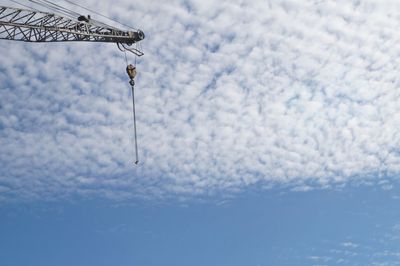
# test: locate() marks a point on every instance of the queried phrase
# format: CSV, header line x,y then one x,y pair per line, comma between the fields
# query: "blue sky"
x,y
268,135
355,226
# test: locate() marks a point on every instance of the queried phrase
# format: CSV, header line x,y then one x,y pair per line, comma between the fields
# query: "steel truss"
x,y
34,26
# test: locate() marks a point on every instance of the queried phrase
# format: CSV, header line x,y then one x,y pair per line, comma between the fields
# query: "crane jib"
x,y
35,26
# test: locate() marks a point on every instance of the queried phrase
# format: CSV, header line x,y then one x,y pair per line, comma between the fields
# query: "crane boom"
x,y
36,26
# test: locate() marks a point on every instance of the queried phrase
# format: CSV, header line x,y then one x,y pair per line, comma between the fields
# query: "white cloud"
x,y
349,244
230,94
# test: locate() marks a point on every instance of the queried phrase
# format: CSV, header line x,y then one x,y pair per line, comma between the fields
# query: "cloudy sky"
x,y
232,97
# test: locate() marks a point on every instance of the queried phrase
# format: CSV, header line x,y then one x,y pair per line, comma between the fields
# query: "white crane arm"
x,y
34,26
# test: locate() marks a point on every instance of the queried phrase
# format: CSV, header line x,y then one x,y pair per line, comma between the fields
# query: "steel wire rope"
x,y
132,83
57,7
97,13
134,122
54,7
69,13
16,2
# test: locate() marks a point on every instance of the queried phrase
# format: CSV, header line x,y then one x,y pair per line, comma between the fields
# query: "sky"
x,y
268,135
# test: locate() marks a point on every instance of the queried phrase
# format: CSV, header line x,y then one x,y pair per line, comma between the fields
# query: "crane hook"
x,y
131,71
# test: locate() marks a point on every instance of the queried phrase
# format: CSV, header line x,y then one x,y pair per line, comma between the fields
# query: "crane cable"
x,y
16,2
73,15
57,8
131,71
134,121
97,13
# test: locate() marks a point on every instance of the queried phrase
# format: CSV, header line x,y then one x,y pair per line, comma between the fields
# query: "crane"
x,y
30,25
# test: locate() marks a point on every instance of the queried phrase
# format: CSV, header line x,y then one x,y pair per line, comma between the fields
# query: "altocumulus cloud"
x,y
230,94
